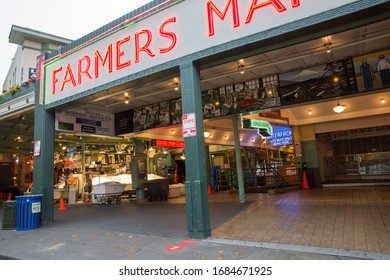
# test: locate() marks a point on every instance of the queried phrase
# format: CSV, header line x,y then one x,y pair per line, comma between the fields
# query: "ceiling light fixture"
x,y
328,47
206,134
339,108
310,112
383,101
241,68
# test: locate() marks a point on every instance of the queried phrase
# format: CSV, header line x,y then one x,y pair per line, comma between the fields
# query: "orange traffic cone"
x,y
209,190
62,204
305,182
9,196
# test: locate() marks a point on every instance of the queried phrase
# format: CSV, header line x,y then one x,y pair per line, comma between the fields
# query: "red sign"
x,y
189,125
88,66
169,143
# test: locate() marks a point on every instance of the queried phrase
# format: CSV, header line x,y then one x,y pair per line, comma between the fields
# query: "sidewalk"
x,y
157,231
57,243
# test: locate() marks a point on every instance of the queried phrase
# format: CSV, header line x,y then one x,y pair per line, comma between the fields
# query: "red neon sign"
x,y
212,8
107,57
84,71
167,34
169,143
118,53
140,45
68,77
146,47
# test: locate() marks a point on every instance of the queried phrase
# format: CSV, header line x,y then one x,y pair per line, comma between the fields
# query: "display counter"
x,y
61,192
105,192
290,174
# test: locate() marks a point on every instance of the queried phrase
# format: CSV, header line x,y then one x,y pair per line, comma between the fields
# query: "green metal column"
x,y
43,182
137,182
237,148
208,165
84,180
310,156
197,207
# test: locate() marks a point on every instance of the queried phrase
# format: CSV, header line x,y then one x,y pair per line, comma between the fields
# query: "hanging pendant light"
x,y
339,108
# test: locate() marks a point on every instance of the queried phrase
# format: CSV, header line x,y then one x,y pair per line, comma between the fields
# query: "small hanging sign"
x,y
37,148
189,125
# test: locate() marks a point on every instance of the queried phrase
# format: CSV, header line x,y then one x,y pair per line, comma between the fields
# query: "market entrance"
x,y
235,77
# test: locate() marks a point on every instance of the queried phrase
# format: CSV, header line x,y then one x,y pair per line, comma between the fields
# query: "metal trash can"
x,y
28,212
72,195
157,189
9,215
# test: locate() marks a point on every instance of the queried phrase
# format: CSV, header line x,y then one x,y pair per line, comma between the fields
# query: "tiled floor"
x,y
356,218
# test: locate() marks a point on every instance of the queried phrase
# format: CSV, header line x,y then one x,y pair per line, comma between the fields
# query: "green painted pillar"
x,y
82,168
43,182
237,147
208,165
139,169
310,154
197,207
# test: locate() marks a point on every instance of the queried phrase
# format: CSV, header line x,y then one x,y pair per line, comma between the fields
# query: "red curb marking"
x,y
181,246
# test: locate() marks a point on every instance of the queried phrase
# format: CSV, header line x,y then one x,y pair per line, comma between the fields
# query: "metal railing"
x,y
262,179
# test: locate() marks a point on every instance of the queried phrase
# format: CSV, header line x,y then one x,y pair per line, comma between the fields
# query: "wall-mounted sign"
x,y
71,151
290,171
361,132
264,128
31,72
124,122
168,32
298,149
168,143
281,136
37,148
85,121
189,125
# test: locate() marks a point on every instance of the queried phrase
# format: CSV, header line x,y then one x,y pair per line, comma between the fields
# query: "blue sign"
x,y
88,122
281,136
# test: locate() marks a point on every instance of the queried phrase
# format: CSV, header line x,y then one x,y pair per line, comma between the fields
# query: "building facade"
x,y
189,67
